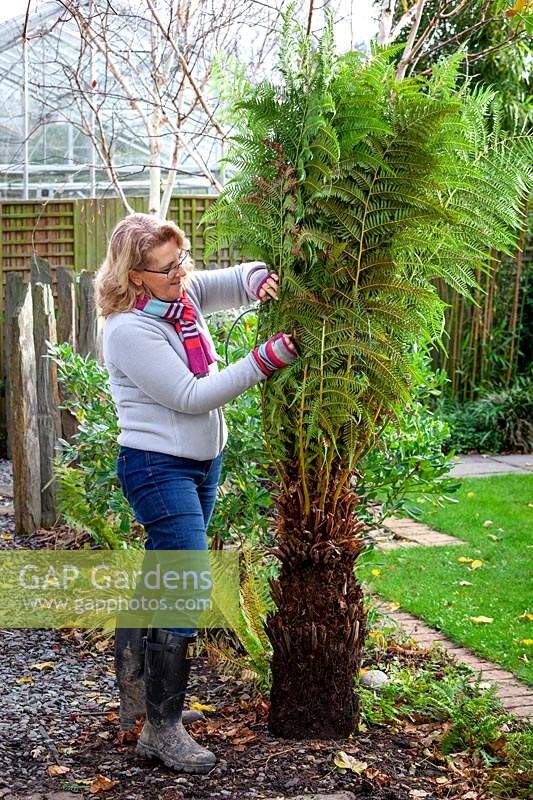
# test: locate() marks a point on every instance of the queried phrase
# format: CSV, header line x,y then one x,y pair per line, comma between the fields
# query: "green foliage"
x,y
360,190
472,718
247,652
476,722
500,50
89,493
442,694
515,777
498,422
408,464
243,511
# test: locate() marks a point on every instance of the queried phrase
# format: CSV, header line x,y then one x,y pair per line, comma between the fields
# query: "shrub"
x,y
498,422
89,493
243,511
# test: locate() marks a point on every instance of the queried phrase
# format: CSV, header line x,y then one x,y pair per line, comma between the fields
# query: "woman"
x,y
168,390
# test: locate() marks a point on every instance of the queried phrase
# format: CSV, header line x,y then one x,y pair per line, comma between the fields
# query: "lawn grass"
x,y
426,581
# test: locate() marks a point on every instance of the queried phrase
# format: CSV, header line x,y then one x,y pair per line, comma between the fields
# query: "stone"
x,y
62,796
373,679
291,782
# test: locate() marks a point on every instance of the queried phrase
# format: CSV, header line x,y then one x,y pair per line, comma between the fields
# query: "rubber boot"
x,y
129,669
167,668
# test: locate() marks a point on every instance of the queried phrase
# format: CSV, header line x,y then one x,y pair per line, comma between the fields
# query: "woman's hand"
x,y
276,353
269,289
288,339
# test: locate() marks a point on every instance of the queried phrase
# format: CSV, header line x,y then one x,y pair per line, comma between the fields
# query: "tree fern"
x,y
359,191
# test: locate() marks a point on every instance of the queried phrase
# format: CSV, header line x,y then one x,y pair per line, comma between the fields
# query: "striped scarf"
x,y
182,314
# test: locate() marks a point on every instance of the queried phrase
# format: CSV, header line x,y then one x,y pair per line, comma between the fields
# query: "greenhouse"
x,y
49,144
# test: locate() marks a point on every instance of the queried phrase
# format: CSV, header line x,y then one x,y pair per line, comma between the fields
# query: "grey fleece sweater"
x,y
162,406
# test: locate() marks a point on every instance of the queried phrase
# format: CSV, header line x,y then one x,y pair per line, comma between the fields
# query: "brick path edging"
x,y
514,695
410,533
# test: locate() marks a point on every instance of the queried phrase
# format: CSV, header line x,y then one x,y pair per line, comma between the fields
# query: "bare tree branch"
x,y
406,55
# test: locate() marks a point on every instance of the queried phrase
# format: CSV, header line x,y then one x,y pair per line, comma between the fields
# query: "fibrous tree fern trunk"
x,y
359,190
318,630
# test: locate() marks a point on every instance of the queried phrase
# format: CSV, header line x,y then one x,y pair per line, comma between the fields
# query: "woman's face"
x,y
164,287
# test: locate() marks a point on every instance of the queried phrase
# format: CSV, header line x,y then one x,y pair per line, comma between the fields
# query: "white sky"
x,y
358,24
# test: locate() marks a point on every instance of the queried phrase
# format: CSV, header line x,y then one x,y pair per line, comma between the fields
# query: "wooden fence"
x,y
483,339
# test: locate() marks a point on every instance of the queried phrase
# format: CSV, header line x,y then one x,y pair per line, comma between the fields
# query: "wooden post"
x,y
100,340
66,307
14,288
48,417
40,270
87,332
23,409
66,320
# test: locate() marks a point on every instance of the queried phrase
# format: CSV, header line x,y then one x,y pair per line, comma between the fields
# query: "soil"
x,y
64,715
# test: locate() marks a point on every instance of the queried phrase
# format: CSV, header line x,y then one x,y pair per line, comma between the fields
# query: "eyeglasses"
x,y
173,267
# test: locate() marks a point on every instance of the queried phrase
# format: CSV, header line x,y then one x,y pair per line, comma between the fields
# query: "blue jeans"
x,y
172,497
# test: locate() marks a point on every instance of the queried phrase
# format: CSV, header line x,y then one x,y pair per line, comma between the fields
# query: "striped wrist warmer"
x,y
273,354
256,279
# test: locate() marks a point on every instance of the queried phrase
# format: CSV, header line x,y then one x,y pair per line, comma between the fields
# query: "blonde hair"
x,y
129,245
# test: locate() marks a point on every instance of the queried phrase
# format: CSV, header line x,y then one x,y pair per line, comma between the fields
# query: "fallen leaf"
x,y
42,665
127,737
376,572
7,537
25,680
248,736
526,615
527,642
470,494
88,683
465,583
391,607
487,523
442,779
418,793
482,620
476,564
201,707
101,784
374,775
495,538
57,769
464,560
344,761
